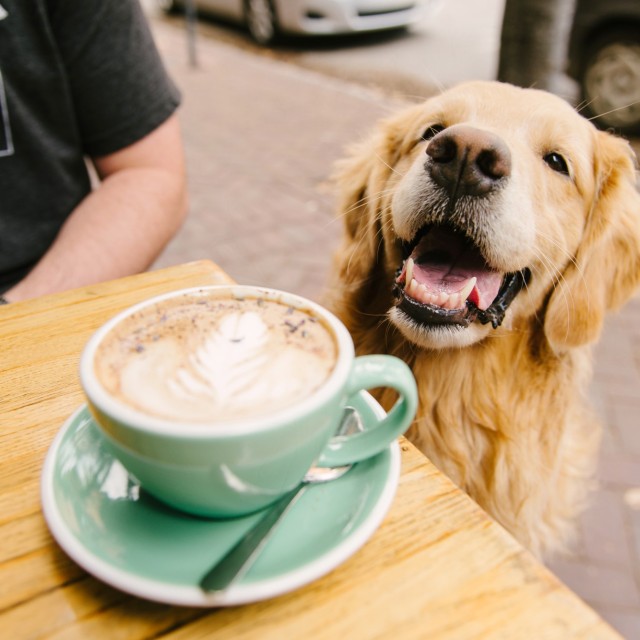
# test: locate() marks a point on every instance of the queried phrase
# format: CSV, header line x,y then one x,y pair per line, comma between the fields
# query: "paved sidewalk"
x,y
261,138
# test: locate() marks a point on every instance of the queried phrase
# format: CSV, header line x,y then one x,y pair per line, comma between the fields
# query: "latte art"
x,y
208,360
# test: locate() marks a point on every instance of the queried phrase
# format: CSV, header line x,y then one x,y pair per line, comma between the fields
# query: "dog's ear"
x,y
361,180
606,269
357,208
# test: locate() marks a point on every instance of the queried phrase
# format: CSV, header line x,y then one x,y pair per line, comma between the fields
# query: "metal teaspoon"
x,y
237,561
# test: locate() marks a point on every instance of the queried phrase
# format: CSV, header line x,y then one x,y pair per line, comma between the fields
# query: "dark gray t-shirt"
x,y
77,78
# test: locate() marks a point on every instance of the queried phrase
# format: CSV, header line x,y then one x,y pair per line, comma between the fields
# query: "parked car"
x,y
604,57
267,19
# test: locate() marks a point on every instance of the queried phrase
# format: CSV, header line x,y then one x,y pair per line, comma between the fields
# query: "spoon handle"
x,y
237,561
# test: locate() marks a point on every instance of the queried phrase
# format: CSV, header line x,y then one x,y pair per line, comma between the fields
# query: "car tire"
x,y
610,81
261,21
170,6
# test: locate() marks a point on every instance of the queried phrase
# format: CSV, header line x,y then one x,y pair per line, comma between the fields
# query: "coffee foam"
x,y
214,360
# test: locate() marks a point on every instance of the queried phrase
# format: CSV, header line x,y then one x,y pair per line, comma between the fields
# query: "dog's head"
x,y
490,204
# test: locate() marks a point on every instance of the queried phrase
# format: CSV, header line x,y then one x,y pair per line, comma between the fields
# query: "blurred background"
x,y
271,99
585,50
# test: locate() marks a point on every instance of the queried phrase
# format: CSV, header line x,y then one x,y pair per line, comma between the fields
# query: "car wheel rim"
x,y
612,85
261,20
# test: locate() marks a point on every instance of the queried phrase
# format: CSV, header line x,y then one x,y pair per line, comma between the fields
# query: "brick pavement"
x,y
261,138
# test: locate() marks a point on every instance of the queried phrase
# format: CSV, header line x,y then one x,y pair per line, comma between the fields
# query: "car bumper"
x,y
348,16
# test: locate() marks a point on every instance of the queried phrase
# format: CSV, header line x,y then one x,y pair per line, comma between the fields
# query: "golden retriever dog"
x,y
487,232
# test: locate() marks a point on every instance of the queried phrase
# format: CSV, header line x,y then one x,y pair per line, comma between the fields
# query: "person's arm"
x,y
123,225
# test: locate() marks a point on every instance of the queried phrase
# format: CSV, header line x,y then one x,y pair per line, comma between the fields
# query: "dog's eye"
x,y
432,131
557,162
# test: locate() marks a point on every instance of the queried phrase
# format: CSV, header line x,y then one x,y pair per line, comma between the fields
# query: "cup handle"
x,y
369,372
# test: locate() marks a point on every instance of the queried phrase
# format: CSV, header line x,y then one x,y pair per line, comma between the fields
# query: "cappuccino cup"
x,y
219,399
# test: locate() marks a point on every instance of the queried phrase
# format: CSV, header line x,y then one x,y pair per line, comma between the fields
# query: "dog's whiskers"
x,y
583,105
606,113
365,201
569,257
384,225
386,164
557,276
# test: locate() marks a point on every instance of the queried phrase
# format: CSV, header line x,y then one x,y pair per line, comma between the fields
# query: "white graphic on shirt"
x,y
3,13
6,140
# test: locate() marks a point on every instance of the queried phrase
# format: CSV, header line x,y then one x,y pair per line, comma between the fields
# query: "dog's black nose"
x,y
468,161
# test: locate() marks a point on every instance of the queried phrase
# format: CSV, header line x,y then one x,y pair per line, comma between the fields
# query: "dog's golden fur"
x,y
503,412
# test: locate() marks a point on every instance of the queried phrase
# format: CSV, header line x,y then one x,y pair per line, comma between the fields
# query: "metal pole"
x,y
191,18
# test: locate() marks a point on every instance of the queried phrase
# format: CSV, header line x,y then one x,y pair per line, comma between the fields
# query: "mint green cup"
x,y
234,467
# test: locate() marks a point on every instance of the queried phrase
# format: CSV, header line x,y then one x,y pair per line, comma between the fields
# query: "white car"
x,y
266,19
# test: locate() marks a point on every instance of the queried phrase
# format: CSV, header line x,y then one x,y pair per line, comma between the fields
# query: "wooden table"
x,y
437,568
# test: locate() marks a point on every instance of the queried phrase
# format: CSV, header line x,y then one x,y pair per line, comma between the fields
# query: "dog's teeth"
x,y
455,301
467,289
409,270
423,294
418,291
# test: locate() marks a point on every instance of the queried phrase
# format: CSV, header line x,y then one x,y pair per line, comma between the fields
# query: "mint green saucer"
x,y
106,523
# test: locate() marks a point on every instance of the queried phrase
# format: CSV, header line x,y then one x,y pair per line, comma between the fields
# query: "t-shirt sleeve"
x,y
118,83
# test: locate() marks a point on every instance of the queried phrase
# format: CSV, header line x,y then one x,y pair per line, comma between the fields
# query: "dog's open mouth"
x,y
446,280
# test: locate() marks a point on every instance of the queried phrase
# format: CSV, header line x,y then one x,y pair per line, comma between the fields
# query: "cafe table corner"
x,y
437,567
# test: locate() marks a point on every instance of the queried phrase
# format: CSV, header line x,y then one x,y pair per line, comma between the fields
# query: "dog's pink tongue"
x,y
445,262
